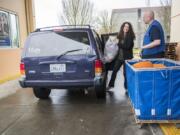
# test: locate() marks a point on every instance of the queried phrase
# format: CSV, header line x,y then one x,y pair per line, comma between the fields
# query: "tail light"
x,y
22,69
98,67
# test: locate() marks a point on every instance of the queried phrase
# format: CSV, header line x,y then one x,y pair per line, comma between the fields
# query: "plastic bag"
x,y
111,49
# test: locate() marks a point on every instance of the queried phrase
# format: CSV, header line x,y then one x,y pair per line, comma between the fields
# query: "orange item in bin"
x,y
148,64
159,66
143,64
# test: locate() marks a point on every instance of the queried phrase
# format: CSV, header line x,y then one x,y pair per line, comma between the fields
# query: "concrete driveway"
x,y
69,113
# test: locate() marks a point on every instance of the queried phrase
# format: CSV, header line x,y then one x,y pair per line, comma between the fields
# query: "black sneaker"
x,y
109,87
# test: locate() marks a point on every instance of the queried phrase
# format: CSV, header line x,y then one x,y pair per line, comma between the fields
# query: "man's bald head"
x,y
148,16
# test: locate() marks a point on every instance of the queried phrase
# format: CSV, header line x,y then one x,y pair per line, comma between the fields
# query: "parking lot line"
x,y
170,129
9,78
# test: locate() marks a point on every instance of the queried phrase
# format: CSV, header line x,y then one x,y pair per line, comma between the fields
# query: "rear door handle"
x,y
71,62
56,62
47,62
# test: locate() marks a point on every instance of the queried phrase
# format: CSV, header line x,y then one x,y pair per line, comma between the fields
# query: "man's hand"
x,y
140,53
152,44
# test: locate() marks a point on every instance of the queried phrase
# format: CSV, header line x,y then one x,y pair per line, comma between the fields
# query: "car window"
x,y
81,37
52,44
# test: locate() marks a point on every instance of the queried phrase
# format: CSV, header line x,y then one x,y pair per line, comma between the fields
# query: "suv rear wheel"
x,y
42,93
101,90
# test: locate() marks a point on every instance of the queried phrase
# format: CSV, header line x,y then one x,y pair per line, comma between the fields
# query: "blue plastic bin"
x,y
155,93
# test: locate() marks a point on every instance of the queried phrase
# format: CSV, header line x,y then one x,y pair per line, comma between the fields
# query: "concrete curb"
x,y
9,88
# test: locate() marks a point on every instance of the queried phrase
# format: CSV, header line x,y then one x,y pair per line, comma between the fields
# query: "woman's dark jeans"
x,y
117,66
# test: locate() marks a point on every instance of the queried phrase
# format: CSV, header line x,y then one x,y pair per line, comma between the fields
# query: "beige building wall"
x,y
9,63
175,24
10,57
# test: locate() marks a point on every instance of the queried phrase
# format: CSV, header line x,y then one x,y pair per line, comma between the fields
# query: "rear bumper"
x,y
84,83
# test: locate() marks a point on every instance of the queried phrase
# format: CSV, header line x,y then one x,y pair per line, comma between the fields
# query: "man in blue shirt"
x,y
153,43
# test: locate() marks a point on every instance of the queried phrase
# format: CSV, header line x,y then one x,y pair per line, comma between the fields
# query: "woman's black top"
x,y
126,48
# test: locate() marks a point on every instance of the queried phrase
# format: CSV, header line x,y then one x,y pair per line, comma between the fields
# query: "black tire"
x,y
42,93
101,90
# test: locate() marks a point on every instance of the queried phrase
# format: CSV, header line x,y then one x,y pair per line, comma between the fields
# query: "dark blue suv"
x,y
63,57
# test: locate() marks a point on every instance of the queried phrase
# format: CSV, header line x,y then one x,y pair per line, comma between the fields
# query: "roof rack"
x,y
62,27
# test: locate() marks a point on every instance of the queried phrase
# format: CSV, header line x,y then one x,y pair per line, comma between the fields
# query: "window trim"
x,y
98,41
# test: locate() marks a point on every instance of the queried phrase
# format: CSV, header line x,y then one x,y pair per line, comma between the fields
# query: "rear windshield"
x,y
81,37
53,44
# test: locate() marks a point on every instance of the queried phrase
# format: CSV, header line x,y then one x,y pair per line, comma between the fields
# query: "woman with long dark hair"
x,y
126,38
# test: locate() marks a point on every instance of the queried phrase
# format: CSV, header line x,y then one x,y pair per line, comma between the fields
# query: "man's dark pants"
x,y
158,55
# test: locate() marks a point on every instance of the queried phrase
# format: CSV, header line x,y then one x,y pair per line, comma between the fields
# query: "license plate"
x,y
57,68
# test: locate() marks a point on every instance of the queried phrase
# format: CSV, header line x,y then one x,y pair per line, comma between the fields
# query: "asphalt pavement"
x,y
72,112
